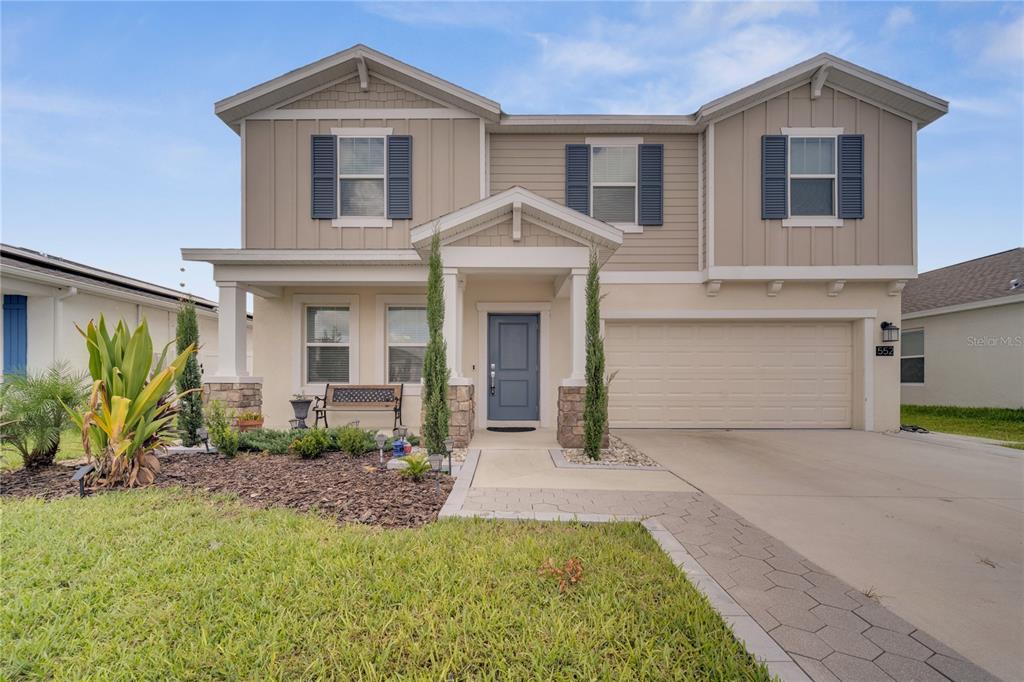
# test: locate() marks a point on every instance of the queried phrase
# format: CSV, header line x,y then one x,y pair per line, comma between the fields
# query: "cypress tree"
x,y
190,407
595,397
436,412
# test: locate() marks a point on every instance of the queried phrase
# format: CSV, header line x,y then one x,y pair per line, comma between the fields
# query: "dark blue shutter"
x,y
651,183
773,176
400,176
15,333
851,176
324,185
577,177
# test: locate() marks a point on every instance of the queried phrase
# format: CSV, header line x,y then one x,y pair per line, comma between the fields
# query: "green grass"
x,y
171,585
1000,424
70,448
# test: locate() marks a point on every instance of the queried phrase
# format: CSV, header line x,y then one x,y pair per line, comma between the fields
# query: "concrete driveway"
x,y
935,527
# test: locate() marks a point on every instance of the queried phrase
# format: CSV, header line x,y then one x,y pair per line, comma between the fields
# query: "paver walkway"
x,y
832,631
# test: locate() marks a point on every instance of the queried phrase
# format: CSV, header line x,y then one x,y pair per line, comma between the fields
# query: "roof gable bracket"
x,y
364,74
517,221
818,81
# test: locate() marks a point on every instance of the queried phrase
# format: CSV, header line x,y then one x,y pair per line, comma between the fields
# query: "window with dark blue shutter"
x,y
851,176
773,177
15,333
400,177
324,184
577,177
651,184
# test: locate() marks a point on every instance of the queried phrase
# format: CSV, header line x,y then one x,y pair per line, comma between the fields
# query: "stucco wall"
x,y
446,176
973,358
537,162
883,237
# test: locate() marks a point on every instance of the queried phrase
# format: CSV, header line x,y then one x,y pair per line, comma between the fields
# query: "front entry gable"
x,y
519,218
350,94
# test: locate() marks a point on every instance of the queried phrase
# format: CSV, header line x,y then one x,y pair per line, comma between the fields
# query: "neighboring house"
x,y
963,334
750,251
44,297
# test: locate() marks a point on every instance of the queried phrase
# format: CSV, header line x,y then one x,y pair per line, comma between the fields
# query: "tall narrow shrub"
x,y
435,365
595,398
190,383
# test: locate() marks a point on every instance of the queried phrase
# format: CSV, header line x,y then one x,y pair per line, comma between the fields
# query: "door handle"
x,y
492,382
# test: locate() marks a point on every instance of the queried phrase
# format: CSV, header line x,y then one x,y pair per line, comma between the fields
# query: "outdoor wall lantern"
x,y
381,440
890,332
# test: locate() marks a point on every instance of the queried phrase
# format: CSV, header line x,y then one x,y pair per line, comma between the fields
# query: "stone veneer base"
x,y
570,417
247,397
462,404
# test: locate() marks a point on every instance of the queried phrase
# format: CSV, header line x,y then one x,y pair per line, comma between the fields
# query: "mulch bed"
x,y
349,489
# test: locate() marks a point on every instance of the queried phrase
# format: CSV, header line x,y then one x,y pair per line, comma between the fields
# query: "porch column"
x,y
450,329
231,327
578,323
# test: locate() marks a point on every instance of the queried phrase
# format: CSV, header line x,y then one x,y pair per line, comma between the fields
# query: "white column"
x,y
231,324
578,322
450,329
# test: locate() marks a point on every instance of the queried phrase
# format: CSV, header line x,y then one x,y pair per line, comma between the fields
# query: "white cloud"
x,y
898,18
20,100
1005,44
594,56
492,15
753,11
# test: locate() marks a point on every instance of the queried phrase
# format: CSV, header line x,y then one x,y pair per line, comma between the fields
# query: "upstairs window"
x,y
912,357
361,171
812,176
613,182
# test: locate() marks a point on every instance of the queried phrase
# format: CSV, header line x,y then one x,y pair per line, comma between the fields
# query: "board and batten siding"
x,y
885,236
537,162
445,177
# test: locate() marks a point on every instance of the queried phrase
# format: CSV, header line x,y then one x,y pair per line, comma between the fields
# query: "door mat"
x,y
510,429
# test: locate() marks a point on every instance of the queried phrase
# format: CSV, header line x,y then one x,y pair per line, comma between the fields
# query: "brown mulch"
x,y
349,489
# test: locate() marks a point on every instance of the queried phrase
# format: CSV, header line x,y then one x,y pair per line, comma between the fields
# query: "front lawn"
x,y
177,585
1005,425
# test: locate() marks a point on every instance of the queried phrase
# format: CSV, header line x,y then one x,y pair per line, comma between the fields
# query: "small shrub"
x,y
416,467
250,416
352,440
265,440
311,444
218,424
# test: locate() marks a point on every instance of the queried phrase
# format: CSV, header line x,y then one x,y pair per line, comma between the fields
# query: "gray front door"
x,y
513,367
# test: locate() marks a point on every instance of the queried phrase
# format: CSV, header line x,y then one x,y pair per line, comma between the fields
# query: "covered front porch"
x,y
515,267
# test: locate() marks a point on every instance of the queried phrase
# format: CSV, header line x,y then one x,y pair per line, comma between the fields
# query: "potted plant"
x,y
300,406
250,420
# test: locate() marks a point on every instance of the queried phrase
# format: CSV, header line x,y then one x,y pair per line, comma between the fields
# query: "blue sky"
x,y
111,154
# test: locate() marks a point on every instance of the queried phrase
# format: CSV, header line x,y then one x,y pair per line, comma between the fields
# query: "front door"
x,y
513,367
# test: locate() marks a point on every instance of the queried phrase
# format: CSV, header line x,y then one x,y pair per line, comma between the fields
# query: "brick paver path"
x,y
830,629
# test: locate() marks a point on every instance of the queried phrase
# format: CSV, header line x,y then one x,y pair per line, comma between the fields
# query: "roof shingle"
x,y
981,279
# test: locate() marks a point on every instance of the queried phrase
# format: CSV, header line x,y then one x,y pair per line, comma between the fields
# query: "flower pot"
x,y
249,424
300,406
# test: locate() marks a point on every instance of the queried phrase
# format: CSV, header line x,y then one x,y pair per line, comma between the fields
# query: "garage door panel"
x,y
730,374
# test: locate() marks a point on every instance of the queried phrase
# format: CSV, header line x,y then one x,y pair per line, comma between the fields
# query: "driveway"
x,y
935,528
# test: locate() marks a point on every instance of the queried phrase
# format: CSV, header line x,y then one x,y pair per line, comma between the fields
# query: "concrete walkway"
x,y
829,629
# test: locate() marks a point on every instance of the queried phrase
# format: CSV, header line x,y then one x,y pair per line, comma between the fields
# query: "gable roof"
x,y
823,69
358,59
535,208
982,279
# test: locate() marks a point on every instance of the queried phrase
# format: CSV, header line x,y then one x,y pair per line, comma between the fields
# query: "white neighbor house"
x,y
44,297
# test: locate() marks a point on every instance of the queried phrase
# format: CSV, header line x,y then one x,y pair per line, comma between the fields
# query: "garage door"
x,y
729,374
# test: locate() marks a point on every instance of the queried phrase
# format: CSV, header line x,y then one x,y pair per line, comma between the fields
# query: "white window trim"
x,y
633,227
363,221
804,220
385,301
299,304
910,357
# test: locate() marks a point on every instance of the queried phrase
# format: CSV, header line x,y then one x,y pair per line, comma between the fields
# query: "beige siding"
x,y
883,237
446,176
348,95
537,162
501,235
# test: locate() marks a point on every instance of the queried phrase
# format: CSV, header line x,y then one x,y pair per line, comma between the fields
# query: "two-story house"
x,y
750,252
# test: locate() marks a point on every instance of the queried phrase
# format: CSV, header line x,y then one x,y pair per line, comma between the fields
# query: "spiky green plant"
x,y
190,407
31,416
131,409
595,397
436,412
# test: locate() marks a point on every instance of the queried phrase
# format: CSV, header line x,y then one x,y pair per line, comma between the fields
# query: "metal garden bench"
x,y
347,397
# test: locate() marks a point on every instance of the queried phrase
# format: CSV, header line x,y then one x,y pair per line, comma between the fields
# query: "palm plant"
x,y
31,416
131,409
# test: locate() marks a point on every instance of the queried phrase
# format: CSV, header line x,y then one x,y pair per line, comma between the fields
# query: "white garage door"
x,y
729,374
